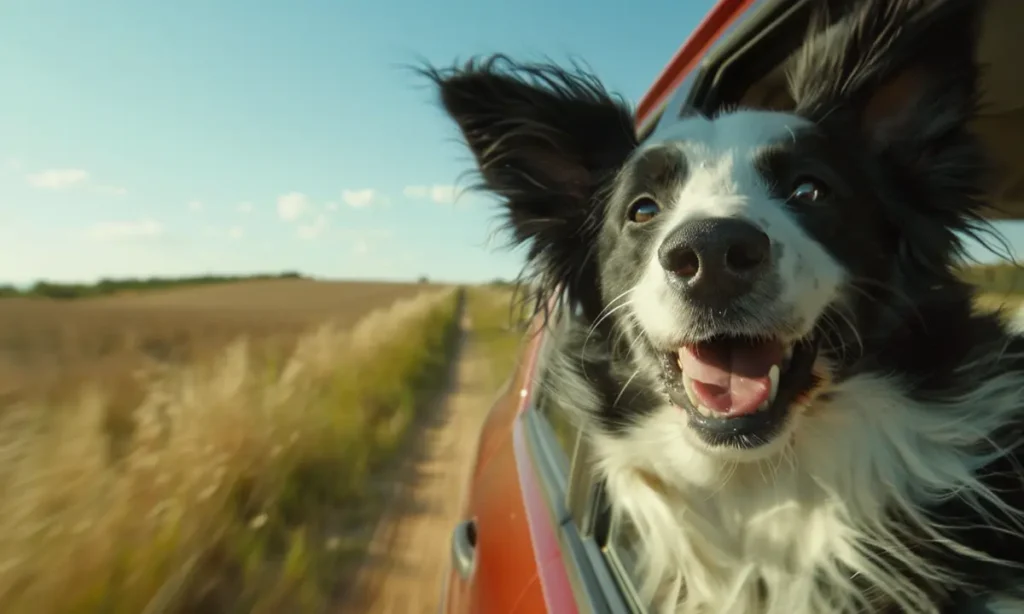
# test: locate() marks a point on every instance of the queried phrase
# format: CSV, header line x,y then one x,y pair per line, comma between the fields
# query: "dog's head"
x,y
745,255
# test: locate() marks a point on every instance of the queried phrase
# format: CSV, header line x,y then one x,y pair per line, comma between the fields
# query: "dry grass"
x,y
50,350
1000,302
499,325
242,481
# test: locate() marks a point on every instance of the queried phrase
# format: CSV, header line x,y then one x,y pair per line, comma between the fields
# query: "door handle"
x,y
464,547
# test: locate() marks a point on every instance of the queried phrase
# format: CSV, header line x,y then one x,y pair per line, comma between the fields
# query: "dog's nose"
x,y
716,260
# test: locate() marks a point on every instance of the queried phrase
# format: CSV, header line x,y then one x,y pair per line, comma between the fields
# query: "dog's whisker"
x,y
790,395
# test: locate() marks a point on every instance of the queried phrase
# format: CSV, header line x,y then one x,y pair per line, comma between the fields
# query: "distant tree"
x,y
423,279
107,286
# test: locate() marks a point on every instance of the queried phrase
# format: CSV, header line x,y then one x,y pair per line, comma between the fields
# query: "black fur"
x,y
548,141
907,182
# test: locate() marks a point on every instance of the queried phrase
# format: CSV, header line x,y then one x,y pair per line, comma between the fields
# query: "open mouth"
x,y
739,391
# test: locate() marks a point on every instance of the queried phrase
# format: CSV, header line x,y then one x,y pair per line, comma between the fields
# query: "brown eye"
x,y
808,190
643,210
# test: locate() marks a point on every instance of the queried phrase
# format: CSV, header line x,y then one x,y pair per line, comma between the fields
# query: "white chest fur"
x,y
784,535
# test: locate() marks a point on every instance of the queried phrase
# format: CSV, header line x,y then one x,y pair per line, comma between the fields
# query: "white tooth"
x,y
704,411
690,394
773,375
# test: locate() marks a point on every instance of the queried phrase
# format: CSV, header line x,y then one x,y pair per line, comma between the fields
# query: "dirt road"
x,y
408,556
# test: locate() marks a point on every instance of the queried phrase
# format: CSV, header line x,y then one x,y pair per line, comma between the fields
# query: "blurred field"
x,y
236,472
50,350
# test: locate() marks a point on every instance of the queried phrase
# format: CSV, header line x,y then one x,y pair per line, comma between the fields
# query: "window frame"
x,y
570,489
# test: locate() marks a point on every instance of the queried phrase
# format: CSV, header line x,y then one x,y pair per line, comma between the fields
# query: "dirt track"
x,y
409,553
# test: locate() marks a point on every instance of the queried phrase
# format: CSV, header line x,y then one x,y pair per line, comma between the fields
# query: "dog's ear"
x,y
904,74
904,70
547,141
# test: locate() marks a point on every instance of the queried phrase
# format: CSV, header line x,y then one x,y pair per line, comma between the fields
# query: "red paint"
x,y
689,54
554,580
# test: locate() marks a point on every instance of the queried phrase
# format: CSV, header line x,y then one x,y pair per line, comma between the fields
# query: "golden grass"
x,y
999,301
242,484
50,350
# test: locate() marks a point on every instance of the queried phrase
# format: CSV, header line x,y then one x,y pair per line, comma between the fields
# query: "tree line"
x,y
104,287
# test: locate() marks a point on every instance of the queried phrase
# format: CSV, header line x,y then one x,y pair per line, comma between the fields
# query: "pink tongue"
x,y
731,376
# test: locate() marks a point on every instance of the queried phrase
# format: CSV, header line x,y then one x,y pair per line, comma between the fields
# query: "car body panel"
x,y
505,576
551,571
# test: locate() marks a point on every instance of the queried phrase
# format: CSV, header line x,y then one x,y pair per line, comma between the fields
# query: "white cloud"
x,y
196,205
444,194
236,232
120,231
244,208
416,191
64,178
331,206
361,247
314,229
292,205
361,198
57,178
12,164
440,194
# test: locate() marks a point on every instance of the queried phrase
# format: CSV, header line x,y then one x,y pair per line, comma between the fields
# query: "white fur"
x,y
714,534
723,182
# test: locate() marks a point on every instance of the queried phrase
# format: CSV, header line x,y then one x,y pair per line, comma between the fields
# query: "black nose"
x,y
716,260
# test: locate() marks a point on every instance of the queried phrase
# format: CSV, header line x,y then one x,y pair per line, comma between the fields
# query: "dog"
x,y
787,389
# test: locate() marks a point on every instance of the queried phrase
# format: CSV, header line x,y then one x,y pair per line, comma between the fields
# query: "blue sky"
x,y
227,136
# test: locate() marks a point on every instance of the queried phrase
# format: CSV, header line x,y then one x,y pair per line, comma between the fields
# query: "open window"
x,y
561,456
1001,121
748,69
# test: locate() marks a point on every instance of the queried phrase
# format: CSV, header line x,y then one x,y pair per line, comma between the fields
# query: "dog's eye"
x,y
808,190
643,210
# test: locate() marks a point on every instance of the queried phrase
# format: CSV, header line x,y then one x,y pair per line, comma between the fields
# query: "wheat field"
x,y
51,350
205,449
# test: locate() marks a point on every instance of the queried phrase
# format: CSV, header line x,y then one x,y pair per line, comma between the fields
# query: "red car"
x,y
537,537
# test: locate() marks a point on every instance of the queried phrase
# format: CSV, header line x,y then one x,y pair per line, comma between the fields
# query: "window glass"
x,y
623,540
549,405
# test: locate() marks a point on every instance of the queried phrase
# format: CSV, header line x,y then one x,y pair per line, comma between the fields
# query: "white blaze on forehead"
x,y
720,154
723,181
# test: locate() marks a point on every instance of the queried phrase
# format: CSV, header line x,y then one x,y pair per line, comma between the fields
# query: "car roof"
x,y
712,46
708,32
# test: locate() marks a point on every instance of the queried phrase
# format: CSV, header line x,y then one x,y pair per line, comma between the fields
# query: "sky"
x,y
236,136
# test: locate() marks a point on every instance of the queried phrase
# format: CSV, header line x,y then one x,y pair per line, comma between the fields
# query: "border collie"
x,y
788,392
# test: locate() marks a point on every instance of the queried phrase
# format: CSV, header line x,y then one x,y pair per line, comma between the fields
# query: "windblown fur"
x,y
894,483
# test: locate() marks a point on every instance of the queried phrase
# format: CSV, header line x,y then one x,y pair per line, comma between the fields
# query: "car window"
x,y
551,407
622,553
565,433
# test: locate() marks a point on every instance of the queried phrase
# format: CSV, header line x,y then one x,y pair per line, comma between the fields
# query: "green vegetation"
x,y
244,484
499,326
105,287
1004,278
